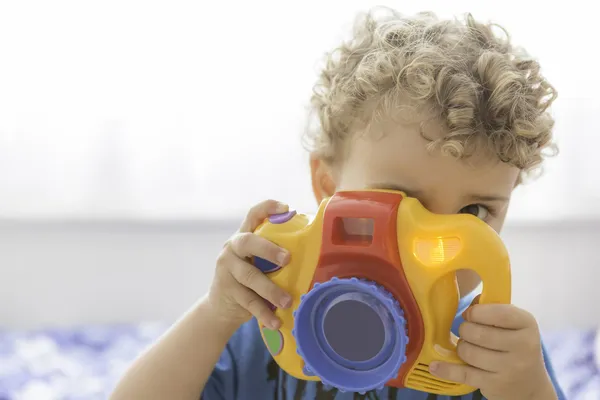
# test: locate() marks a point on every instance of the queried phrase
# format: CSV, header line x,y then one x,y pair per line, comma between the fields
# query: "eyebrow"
x,y
416,193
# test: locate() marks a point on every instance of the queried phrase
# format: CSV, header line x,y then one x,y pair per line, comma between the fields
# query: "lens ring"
x,y
328,354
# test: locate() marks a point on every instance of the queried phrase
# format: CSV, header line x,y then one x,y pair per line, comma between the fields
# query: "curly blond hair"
x,y
468,74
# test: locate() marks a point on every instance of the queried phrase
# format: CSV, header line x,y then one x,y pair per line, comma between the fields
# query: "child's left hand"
x,y
502,346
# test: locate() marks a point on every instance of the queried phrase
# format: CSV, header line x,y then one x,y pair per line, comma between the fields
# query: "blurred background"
x,y
134,135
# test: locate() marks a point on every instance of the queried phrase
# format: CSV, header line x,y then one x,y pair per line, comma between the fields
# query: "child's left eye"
x,y
477,210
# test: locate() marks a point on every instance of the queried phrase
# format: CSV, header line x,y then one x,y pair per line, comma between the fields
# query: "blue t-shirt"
x,y
246,371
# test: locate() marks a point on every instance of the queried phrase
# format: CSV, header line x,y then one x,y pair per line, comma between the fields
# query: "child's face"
x,y
396,157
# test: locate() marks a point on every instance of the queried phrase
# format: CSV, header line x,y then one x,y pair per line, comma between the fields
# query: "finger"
x,y
246,245
488,337
260,212
251,277
460,373
504,316
478,357
257,307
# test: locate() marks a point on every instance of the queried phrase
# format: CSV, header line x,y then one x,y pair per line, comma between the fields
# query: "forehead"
x,y
399,154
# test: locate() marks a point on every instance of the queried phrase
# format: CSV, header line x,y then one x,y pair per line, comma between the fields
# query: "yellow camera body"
x,y
374,290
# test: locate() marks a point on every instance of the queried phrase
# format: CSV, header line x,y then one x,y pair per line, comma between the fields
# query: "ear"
x,y
322,178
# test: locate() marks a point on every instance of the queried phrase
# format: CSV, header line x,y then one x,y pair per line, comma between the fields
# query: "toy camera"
x,y
374,290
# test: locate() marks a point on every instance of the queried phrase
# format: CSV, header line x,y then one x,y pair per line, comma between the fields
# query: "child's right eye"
x,y
477,210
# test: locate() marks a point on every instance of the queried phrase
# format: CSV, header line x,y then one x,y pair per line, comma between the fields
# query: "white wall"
x,y
63,274
143,138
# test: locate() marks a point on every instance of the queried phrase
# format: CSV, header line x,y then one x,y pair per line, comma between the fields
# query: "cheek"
x,y
352,176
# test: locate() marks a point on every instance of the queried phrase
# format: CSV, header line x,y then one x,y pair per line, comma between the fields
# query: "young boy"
x,y
445,111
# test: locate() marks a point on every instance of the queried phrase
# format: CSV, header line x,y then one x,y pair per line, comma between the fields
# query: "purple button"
x,y
282,218
271,306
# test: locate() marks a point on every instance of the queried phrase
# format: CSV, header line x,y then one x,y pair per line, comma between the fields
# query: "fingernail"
x,y
286,301
434,366
274,323
465,314
282,258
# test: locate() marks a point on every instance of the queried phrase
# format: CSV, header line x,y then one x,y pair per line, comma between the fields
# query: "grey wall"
x,y
64,274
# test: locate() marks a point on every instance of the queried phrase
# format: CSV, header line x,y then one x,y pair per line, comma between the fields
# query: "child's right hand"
x,y
239,289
